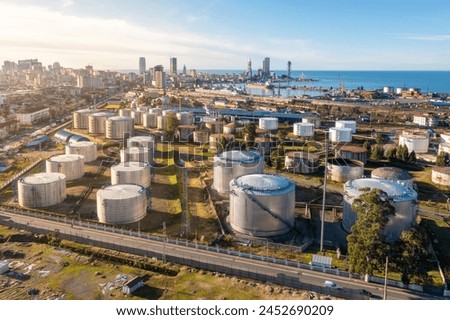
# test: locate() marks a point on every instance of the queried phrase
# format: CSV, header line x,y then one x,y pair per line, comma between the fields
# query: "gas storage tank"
x,y
148,142
415,140
149,120
350,124
137,116
81,118
268,123
340,134
41,190
343,170
394,174
137,154
352,152
185,118
87,149
71,165
301,162
97,122
119,127
125,112
402,198
303,129
262,205
121,204
231,164
131,173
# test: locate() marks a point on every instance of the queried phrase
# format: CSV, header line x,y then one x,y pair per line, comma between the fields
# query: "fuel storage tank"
x,y
301,162
71,165
340,134
415,140
394,174
268,123
41,190
87,149
350,124
81,118
303,129
262,205
131,173
119,127
97,122
343,170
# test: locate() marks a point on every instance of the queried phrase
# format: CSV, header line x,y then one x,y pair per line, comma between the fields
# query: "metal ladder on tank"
x,y
264,208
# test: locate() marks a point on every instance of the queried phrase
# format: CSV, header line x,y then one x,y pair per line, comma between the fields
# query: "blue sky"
x,y
202,34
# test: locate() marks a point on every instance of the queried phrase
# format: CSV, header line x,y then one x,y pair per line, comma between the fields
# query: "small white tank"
x,y
121,204
149,120
71,165
157,111
415,140
314,120
441,176
87,149
81,118
41,190
137,116
304,129
301,162
136,154
161,122
351,124
97,122
125,112
268,123
185,118
148,142
119,127
343,170
131,173
340,134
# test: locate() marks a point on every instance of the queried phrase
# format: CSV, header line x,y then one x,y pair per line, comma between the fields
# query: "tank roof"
x,y
345,162
142,138
239,156
81,143
136,149
263,182
121,191
444,170
346,121
302,155
393,189
304,124
103,114
340,129
355,149
130,166
269,118
86,111
120,118
417,134
65,158
43,178
391,173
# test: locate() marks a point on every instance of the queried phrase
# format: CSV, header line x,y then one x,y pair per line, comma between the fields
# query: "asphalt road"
x,y
310,279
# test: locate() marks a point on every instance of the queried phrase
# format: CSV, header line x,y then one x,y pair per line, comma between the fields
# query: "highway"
x,y
233,265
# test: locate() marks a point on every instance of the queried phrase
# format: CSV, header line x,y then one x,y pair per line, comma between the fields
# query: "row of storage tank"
x,y
263,205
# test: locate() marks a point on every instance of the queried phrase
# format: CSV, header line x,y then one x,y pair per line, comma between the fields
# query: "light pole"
x,y
322,216
385,279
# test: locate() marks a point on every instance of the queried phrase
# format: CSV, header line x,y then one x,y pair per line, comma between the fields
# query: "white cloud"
x,y
429,37
67,3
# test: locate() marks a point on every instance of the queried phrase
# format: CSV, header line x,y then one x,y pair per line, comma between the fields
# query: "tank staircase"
x,y
266,209
77,205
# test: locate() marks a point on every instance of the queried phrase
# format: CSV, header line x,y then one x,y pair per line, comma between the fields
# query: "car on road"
x,y
364,292
332,285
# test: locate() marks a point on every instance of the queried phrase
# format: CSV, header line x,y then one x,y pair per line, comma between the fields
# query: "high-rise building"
x,y
249,68
266,67
173,66
184,70
289,69
142,65
159,77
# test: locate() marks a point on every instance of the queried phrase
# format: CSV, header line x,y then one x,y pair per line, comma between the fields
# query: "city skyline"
x,y
322,35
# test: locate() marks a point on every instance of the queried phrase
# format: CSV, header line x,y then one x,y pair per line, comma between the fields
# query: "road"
x,y
270,272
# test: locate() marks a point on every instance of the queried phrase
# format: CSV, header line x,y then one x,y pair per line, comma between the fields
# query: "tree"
x,y
171,126
367,248
281,135
378,138
412,157
391,153
410,255
402,153
249,131
366,145
442,159
377,152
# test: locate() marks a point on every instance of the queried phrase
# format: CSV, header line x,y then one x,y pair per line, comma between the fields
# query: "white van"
x,y
332,285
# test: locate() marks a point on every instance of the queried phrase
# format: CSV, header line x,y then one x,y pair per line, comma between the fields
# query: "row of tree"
x,y
394,153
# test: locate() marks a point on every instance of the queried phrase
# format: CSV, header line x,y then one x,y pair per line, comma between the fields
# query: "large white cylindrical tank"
x,y
186,133
399,90
185,118
137,116
268,123
161,122
41,190
402,198
125,112
351,152
303,129
262,205
97,122
71,165
142,141
81,118
301,162
131,173
343,170
137,154
340,134
157,111
119,127
149,120
388,89
231,164
121,204
167,113
444,147
314,120
87,149
394,174
441,176
415,140
351,124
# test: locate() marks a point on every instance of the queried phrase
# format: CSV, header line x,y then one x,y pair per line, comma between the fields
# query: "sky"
x,y
223,34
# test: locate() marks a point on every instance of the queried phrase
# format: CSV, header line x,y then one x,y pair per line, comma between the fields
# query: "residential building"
x,y
29,118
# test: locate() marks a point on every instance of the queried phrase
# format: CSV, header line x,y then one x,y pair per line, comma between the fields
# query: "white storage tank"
x,y
262,205
119,127
231,164
185,118
343,170
87,149
301,162
351,152
441,176
388,89
41,190
148,142
157,111
314,120
71,165
399,90
137,154
125,112
97,122
303,129
402,198
351,124
137,116
186,133
166,113
161,122
149,120
81,118
340,134
268,123
122,204
394,174
415,140
131,173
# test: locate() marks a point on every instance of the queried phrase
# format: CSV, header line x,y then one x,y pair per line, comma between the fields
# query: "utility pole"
x,y
385,279
164,242
322,216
